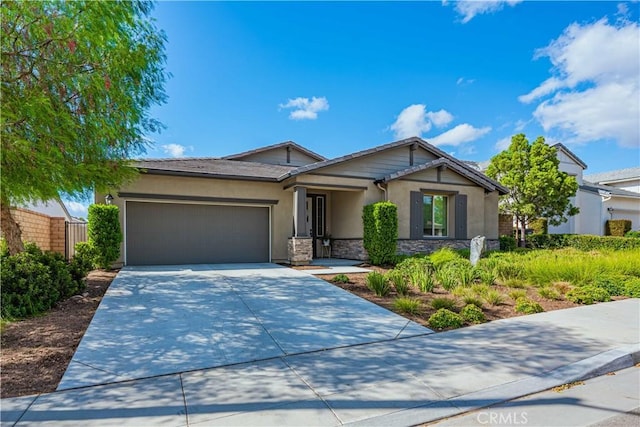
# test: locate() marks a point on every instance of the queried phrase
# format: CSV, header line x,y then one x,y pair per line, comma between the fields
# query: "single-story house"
x,y
277,204
600,197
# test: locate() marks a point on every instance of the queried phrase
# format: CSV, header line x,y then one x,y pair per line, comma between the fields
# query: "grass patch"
x,y
407,305
493,297
448,303
549,292
516,294
378,283
399,282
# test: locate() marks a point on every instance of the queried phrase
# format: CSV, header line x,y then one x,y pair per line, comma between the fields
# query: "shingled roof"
x,y
614,176
291,144
213,168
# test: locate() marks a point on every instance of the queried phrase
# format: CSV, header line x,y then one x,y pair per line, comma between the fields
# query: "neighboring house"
x,y
609,195
278,203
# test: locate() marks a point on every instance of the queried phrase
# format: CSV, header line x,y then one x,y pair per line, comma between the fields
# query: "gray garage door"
x,y
172,233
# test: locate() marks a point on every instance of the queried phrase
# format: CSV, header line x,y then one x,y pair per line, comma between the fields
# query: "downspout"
x,y
381,188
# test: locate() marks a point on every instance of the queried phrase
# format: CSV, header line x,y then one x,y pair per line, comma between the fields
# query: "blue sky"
x,y
338,77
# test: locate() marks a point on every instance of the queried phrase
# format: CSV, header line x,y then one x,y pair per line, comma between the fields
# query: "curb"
x,y
600,364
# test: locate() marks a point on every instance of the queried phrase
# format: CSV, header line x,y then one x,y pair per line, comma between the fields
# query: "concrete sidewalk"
x,y
401,382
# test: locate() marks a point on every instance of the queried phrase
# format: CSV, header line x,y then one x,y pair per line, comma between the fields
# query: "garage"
x,y
182,233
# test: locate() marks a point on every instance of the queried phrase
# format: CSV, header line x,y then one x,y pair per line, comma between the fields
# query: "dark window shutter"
x,y
416,221
461,216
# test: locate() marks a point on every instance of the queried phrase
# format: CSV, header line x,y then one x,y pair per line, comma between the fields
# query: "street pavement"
x,y
612,399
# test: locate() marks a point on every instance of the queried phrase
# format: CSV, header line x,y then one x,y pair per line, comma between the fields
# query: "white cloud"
x,y
462,81
459,135
305,108
77,209
440,118
503,143
174,150
594,90
469,9
416,120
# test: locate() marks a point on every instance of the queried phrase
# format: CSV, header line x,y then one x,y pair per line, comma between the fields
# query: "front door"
x,y
316,218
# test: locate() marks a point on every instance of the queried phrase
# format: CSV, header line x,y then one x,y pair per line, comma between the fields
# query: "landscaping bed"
x,y
357,285
502,285
36,351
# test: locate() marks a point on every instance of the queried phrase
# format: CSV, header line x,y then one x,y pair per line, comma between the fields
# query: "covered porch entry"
x,y
322,216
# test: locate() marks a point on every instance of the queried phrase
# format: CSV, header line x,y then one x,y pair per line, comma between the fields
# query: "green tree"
x,y
78,81
537,188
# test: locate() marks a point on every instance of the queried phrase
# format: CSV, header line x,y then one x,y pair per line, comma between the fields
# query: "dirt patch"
x,y
36,351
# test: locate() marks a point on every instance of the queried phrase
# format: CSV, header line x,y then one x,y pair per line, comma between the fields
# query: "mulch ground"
x,y
35,352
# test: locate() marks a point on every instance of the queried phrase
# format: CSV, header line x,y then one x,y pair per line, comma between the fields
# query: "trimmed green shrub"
x,y
632,234
539,226
444,318
443,256
340,278
380,232
583,242
632,287
526,306
549,293
438,303
471,313
104,234
83,260
407,305
507,243
587,294
378,283
399,282
617,227
61,279
26,286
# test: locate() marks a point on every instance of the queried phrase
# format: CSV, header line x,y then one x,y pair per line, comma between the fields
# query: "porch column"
x,y
300,246
300,212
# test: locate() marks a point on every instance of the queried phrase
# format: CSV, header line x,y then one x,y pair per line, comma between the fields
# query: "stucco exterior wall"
x,y
281,213
399,193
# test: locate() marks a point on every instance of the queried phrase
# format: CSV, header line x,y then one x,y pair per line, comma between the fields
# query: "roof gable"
x,y
414,142
570,154
444,164
284,153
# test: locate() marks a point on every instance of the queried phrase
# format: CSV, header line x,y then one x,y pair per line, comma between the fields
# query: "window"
x,y
435,213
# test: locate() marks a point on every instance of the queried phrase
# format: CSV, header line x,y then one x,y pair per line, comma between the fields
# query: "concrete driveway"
x,y
162,320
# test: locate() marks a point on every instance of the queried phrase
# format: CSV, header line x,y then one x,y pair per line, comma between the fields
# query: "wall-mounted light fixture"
x,y
108,198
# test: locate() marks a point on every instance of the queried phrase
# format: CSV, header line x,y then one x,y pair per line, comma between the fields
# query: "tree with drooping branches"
x,y
78,81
